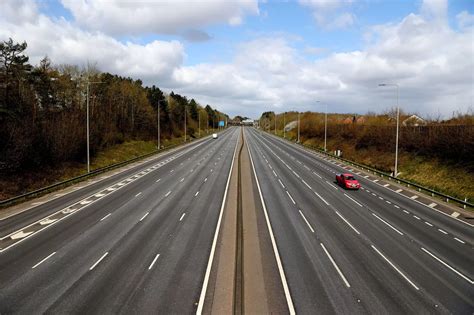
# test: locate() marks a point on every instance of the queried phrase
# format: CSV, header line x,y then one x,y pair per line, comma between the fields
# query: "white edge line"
x,y
445,264
335,266
97,262
391,226
394,267
153,262
286,289
309,225
43,260
214,242
73,212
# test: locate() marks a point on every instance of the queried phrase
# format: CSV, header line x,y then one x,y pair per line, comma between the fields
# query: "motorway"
x,y
137,242
140,241
366,251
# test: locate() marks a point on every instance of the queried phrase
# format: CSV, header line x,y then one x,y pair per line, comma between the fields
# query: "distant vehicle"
x,y
214,136
347,181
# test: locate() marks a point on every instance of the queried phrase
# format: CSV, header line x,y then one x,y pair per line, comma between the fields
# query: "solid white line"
x,y
427,223
105,217
444,232
393,228
309,225
97,262
292,200
168,193
331,185
445,264
335,266
281,183
144,216
347,222
182,216
286,289
138,194
394,267
214,241
459,240
153,262
197,193
44,259
353,200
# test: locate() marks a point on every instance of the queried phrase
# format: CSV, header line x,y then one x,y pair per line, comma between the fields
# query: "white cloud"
x,y
65,43
327,15
465,20
119,17
431,62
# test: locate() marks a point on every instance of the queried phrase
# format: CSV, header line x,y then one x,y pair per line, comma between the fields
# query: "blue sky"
x,y
253,56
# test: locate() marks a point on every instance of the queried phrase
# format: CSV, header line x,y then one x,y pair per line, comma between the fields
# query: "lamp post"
x,y
298,127
159,127
87,124
398,125
325,125
275,123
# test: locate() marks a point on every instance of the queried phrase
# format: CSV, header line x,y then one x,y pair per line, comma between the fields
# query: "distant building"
x,y
247,122
414,121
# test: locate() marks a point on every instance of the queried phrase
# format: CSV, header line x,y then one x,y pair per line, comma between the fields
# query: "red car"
x,y
347,181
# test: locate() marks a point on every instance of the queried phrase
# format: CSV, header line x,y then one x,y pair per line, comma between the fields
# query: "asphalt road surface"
x,y
365,251
137,243
140,241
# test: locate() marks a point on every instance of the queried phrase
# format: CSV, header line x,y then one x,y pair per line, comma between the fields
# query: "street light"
x,y
325,124
159,127
275,123
398,125
87,114
298,127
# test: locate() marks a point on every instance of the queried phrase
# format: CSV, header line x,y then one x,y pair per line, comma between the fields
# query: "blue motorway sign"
x,y
221,123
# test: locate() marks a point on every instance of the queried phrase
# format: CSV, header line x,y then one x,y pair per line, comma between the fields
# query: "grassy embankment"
x,y
17,184
450,178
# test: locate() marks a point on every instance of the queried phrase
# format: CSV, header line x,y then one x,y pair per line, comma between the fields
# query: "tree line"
x,y
43,111
450,140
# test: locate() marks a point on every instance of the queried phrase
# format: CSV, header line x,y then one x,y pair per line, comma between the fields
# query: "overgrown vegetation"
x,y
43,117
436,153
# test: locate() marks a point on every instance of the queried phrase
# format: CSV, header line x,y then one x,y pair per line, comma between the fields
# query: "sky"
x,y
245,57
